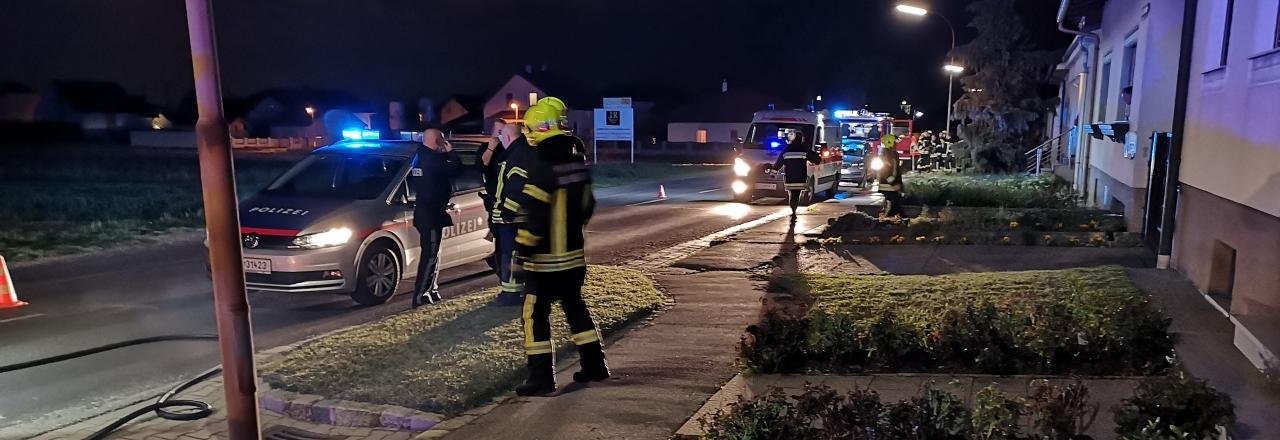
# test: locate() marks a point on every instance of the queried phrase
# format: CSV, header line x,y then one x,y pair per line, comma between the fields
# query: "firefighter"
x,y
549,187
891,176
796,172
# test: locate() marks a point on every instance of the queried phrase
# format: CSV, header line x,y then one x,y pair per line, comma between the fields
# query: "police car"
x,y
766,138
341,220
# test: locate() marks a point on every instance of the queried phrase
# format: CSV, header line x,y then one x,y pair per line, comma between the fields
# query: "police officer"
x,y
795,170
549,185
891,176
437,166
493,160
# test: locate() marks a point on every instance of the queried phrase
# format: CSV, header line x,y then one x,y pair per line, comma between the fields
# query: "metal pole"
x,y
951,77
222,223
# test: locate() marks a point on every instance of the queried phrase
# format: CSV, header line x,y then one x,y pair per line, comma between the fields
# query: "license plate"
x,y
766,186
257,265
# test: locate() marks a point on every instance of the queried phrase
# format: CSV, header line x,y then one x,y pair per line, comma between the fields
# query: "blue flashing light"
x,y
357,134
774,144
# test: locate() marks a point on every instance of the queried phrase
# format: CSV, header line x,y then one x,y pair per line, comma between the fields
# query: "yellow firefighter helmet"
x,y
545,119
888,140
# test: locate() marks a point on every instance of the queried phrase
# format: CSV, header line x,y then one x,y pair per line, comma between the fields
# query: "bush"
x,y
992,190
770,417
1062,412
822,413
1174,406
1088,321
996,414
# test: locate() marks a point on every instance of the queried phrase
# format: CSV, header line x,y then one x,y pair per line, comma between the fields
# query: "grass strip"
x,y
1086,320
616,174
448,357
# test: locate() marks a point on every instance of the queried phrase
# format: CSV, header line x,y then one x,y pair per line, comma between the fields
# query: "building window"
x,y
1226,32
1105,89
1276,43
533,98
1128,68
701,136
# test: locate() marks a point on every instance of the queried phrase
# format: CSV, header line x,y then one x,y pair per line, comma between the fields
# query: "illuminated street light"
x,y
516,108
952,68
919,114
311,111
913,10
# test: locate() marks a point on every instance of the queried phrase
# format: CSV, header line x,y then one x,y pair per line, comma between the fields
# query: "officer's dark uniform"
x,y
795,170
433,184
549,185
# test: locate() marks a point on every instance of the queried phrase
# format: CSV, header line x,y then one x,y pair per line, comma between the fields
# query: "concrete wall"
x,y
1230,173
716,131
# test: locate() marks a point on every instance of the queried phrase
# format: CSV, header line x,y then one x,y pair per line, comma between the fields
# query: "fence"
x,y
187,139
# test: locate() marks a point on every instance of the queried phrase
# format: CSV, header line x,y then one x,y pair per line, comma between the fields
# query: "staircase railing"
x,y
1039,159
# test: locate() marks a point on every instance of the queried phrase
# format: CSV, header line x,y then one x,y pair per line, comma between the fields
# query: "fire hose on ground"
x,y
161,407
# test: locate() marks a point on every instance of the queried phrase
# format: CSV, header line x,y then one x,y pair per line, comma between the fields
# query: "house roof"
x,y
98,97
733,106
469,102
561,86
1091,10
295,102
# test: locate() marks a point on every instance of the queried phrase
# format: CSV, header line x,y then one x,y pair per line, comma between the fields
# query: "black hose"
x,y
197,409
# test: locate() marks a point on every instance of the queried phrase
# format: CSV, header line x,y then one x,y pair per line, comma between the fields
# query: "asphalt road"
x,y
99,299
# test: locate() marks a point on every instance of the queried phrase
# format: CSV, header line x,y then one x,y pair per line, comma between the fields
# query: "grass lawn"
x,y
615,174
986,190
66,200
452,356
1087,321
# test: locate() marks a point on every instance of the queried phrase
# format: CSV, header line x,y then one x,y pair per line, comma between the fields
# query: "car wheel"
x,y
378,276
807,196
492,261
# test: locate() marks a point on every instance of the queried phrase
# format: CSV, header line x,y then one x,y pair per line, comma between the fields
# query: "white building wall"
x,y
716,131
1232,146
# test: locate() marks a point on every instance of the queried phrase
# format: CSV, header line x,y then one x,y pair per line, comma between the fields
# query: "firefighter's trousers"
x,y
541,290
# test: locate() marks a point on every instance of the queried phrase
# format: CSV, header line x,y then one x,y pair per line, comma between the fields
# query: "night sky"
x,y
401,49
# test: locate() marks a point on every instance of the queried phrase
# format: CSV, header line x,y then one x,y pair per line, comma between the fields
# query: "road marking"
x,y
646,203
34,315
710,190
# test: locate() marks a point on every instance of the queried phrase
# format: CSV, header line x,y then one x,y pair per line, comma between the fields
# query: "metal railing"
x,y
1039,159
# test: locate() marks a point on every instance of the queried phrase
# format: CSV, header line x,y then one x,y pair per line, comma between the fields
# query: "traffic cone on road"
x,y
662,192
8,296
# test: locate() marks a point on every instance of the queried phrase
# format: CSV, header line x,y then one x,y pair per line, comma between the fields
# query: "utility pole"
x,y
222,223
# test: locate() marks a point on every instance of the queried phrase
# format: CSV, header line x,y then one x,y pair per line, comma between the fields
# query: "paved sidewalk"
x,y
150,427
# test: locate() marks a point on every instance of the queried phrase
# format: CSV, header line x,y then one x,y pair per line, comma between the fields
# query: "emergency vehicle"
x,y
341,220
766,138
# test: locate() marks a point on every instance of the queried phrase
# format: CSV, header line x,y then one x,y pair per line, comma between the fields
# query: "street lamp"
x,y
516,108
913,10
952,68
311,111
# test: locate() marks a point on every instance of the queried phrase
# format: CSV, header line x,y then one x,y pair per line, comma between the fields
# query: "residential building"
x,y
1117,91
718,118
1228,223
17,103
97,108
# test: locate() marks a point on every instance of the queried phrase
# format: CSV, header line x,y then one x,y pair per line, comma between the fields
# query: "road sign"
x,y
615,124
614,103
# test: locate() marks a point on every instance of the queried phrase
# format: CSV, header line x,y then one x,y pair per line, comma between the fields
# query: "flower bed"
x,y
998,226
1085,321
447,357
1047,410
987,190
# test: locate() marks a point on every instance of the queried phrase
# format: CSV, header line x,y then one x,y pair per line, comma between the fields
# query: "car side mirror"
x,y
740,140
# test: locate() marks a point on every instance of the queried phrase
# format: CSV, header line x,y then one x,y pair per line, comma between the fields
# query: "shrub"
x,y
769,417
996,414
1088,320
777,344
1062,412
992,190
1174,405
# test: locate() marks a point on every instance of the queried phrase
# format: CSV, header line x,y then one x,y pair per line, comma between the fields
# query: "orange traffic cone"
x,y
662,192
8,296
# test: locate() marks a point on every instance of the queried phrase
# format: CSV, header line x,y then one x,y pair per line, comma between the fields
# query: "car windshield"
x,y
345,176
773,135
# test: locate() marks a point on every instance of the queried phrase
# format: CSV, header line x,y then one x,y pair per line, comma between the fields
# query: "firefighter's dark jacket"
x,y
549,189
792,162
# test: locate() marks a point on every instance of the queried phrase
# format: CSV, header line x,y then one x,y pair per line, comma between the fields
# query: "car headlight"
x,y
332,237
739,187
877,164
741,167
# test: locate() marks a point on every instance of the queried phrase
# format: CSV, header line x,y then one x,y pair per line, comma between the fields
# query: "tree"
x,y
1001,99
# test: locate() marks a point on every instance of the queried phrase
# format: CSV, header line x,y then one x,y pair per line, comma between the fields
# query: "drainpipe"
x,y
1082,152
1171,188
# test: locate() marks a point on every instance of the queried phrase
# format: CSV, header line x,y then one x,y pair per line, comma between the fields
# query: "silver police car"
x,y
341,221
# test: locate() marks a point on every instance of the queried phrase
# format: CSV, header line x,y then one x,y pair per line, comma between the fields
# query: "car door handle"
x,y
453,207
